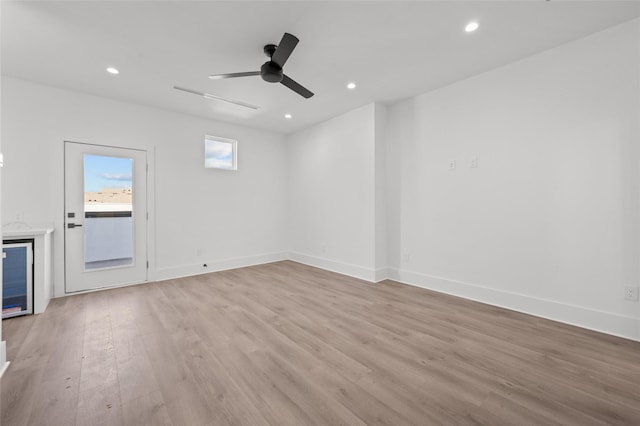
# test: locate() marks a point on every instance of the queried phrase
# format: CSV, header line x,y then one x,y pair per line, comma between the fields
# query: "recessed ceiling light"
x,y
287,116
351,86
471,27
112,70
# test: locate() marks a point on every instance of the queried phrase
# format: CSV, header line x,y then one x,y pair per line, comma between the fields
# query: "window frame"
x,y
234,152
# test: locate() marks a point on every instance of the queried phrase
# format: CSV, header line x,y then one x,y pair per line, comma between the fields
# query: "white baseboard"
x,y
3,358
381,274
217,265
4,368
605,322
349,269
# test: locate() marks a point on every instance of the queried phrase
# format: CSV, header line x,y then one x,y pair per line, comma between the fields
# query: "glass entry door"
x,y
105,216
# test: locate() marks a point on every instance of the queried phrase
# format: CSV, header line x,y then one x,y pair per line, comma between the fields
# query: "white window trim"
x,y
234,152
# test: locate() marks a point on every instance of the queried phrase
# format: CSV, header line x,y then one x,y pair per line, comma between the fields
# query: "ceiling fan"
x,y
271,70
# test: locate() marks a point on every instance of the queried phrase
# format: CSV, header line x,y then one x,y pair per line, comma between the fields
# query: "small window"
x,y
220,153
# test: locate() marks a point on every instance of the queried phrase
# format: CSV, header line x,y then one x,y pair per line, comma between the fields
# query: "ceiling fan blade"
x,y
286,46
296,87
216,97
234,75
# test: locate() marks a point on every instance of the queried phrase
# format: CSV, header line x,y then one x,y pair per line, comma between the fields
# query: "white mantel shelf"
x,y
24,230
42,260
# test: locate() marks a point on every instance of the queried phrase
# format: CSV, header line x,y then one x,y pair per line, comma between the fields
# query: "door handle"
x,y
73,225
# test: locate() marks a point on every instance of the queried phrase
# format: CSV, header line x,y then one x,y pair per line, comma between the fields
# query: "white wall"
x,y
548,223
235,218
331,188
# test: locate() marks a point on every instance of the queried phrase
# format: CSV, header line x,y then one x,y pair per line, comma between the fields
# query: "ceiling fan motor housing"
x,y
271,72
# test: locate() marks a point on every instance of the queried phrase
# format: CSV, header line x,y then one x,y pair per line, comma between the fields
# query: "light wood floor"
x,y
287,344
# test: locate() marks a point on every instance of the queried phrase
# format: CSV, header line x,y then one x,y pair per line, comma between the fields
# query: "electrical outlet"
x,y
631,293
406,258
474,163
452,164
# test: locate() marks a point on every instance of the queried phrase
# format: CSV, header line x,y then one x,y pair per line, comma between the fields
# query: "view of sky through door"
x,y
108,210
107,172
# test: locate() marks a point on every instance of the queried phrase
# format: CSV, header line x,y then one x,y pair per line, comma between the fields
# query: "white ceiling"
x,y
392,50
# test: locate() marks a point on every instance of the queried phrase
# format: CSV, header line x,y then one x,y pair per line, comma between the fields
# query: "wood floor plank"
x,y
499,410
100,406
136,378
146,410
56,402
288,344
20,390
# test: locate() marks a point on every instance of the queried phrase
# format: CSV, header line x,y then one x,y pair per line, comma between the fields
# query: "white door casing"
x,y
105,242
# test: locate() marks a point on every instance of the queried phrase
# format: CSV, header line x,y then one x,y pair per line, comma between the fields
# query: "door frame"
x,y
149,223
